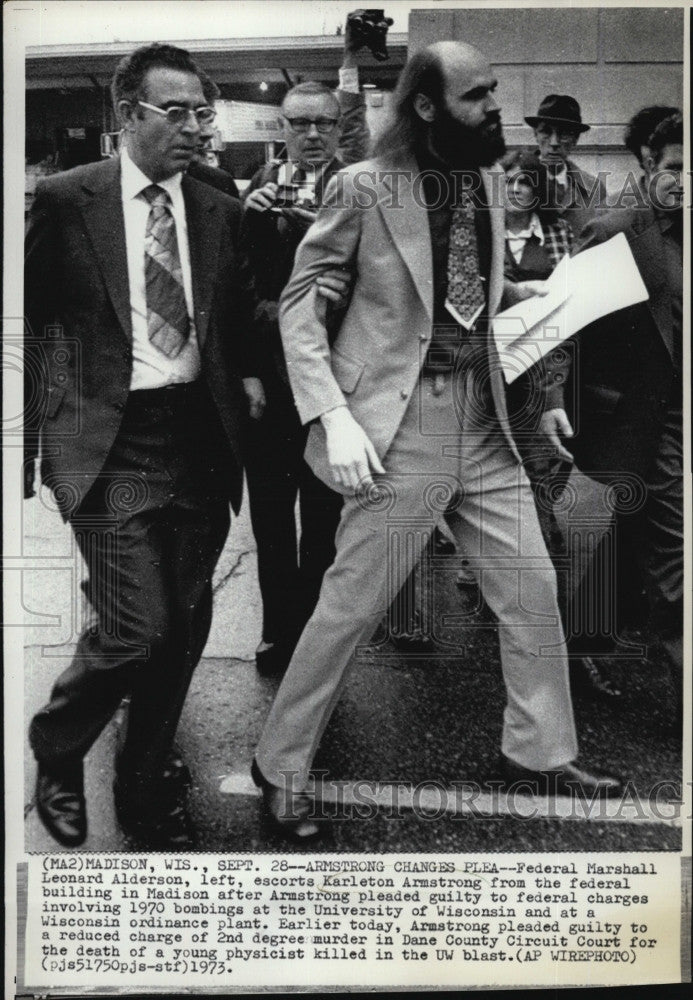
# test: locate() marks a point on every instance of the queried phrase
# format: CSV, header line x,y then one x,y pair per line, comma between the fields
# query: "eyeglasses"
x,y
178,115
323,125
563,134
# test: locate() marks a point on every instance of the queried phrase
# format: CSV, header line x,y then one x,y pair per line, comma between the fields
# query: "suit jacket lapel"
x,y
203,218
646,244
492,178
102,210
409,229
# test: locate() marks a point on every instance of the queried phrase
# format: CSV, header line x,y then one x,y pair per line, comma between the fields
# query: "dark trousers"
x,y
645,544
150,530
290,571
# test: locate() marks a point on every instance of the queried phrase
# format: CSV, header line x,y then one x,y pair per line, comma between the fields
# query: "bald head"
x,y
445,98
458,55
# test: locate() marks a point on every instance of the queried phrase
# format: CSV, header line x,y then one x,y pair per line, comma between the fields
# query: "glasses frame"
x,y
312,121
179,107
565,133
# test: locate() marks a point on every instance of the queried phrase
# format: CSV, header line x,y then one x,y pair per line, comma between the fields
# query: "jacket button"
x,y
403,393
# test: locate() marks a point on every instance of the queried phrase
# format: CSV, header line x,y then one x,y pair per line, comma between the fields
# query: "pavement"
x,y
406,730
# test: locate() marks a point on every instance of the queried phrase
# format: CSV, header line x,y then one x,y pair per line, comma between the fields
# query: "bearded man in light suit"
x,y
138,315
408,416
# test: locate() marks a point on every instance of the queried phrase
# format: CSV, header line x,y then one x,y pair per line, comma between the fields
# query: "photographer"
x,y
280,205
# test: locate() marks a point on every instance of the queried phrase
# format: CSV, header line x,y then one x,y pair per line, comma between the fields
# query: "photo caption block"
x,y
141,921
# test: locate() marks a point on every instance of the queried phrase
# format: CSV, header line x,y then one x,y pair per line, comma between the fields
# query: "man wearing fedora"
x,y
558,126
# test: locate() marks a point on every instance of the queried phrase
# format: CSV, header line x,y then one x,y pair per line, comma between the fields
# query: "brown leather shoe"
x,y
287,810
60,802
569,779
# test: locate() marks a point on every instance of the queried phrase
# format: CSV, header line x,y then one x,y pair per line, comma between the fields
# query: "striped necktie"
x,y
168,323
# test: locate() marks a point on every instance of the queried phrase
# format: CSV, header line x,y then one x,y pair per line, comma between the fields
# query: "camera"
x,y
368,28
292,193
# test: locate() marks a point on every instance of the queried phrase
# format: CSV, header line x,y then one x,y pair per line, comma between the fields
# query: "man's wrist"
x,y
349,74
330,417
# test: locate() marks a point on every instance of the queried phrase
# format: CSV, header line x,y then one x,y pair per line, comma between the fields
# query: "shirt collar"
x,y
561,176
134,181
533,229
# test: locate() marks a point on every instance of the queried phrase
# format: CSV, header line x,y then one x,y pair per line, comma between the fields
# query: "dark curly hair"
x,y
132,69
642,125
669,132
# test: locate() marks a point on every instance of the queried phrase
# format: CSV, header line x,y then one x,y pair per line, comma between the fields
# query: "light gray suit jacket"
x,y
373,224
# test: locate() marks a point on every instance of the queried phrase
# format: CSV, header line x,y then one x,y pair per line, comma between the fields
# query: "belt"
x,y
175,394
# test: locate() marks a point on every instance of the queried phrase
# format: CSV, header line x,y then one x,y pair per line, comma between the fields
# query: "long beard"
x,y
463,147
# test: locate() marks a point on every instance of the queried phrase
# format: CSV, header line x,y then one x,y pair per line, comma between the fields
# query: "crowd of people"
x,y
332,336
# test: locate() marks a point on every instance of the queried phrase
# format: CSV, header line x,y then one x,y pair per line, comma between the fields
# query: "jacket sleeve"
x,y
557,364
355,137
332,241
41,270
248,362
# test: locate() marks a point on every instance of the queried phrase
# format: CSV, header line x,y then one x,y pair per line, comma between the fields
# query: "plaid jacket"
x,y
558,240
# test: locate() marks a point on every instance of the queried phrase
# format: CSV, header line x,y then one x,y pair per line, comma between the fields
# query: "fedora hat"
x,y
561,110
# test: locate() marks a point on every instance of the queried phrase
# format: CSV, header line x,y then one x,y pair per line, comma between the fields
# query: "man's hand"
x,y
350,453
29,476
299,217
334,285
517,291
554,424
353,39
356,36
255,394
262,199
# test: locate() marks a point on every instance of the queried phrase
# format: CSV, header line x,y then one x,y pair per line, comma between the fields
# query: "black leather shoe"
x,y
588,679
566,780
442,545
163,824
60,802
176,770
287,810
414,641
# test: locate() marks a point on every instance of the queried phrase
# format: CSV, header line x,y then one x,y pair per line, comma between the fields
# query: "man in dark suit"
x,y
627,406
132,265
199,167
575,193
277,474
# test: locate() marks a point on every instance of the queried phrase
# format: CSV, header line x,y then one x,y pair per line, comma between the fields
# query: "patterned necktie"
x,y
466,296
168,324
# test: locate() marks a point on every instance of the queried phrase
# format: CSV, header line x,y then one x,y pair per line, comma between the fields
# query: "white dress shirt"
x,y
516,241
152,369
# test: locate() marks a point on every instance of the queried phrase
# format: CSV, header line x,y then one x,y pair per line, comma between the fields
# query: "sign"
x,y
243,121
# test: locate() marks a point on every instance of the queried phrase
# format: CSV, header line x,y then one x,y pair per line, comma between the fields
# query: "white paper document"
x,y
581,289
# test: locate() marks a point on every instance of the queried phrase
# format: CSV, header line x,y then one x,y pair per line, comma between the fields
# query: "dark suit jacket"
x,y
270,243
623,375
585,197
77,307
222,180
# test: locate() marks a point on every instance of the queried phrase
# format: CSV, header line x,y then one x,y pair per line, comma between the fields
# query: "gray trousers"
x,y
446,447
